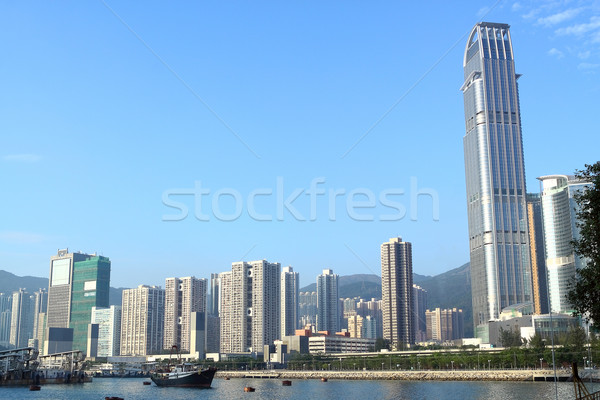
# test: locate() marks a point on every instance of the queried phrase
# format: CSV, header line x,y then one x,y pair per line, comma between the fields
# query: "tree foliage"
x,y
585,291
510,338
537,343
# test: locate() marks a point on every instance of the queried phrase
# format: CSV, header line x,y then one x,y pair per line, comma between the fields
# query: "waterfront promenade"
x,y
423,375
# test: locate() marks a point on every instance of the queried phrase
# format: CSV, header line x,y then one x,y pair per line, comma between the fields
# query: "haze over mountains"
x,y
447,290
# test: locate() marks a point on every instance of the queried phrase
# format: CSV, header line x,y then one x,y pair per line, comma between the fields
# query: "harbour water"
x,y
133,389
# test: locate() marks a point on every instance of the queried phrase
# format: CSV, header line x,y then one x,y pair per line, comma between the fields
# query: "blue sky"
x,y
108,107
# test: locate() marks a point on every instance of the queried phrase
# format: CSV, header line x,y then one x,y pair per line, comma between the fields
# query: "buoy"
x,y
147,383
249,389
34,387
323,379
226,378
286,383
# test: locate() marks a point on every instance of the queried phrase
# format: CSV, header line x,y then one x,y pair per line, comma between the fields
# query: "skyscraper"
x,y
183,296
396,292
90,288
250,306
21,325
77,283
559,222
327,302
495,175
444,325
536,249
5,318
40,306
289,301
109,330
419,308
142,321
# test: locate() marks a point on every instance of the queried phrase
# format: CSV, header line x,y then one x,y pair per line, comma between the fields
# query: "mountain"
x,y
451,289
11,283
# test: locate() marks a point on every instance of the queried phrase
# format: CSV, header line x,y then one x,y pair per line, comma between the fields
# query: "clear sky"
x,y
109,110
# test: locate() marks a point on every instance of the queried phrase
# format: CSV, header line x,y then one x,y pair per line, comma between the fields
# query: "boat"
x,y
249,389
183,375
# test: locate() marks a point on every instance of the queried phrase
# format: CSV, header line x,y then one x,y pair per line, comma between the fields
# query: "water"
x,y
133,389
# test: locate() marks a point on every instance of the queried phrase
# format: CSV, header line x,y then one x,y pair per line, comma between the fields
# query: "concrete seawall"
x,y
428,375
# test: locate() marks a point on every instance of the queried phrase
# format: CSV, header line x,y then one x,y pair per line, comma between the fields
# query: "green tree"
x,y
536,342
585,291
576,339
381,343
510,338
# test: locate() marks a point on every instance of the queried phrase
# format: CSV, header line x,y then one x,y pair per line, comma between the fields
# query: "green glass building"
x,y
91,284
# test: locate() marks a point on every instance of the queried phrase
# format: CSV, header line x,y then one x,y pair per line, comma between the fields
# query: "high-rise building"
x,y
183,296
21,325
355,325
419,308
5,318
142,321
327,302
396,292
445,325
77,283
289,301
109,330
495,175
60,288
250,306
91,286
40,306
537,252
307,308
213,296
559,223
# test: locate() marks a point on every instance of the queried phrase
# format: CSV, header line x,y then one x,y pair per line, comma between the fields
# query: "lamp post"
x,y
541,365
584,363
452,365
489,365
382,364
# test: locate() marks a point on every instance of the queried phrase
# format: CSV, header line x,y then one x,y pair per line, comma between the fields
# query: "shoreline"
x,y
424,375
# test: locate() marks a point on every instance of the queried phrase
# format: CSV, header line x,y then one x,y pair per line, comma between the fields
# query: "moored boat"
x,y
185,375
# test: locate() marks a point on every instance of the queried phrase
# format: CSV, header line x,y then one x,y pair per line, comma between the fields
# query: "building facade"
x,y
109,330
183,296
90,288
307,308
21,325
445,325
495,175
559,226
396,292
142,321
289,301
327,302
250,306
419,308
538,257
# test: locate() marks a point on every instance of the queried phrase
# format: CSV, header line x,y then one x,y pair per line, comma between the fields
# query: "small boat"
x,y
286,383
226,378
323,379
147,383
249,389
34,387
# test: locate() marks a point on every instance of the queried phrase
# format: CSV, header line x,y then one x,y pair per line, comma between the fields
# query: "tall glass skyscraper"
x,y
495,175
559,211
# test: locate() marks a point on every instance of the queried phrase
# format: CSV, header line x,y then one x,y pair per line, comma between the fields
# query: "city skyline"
x,y
98,135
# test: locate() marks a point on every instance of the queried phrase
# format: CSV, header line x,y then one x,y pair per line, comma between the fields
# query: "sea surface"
x,y
133,389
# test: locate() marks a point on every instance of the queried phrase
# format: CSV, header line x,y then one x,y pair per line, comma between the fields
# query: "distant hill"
x,y
11,283
451,289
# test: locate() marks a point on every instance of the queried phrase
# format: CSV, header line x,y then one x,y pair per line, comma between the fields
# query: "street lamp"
x,y
382,364
489,366
452,365
541,360
584,363
354,366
